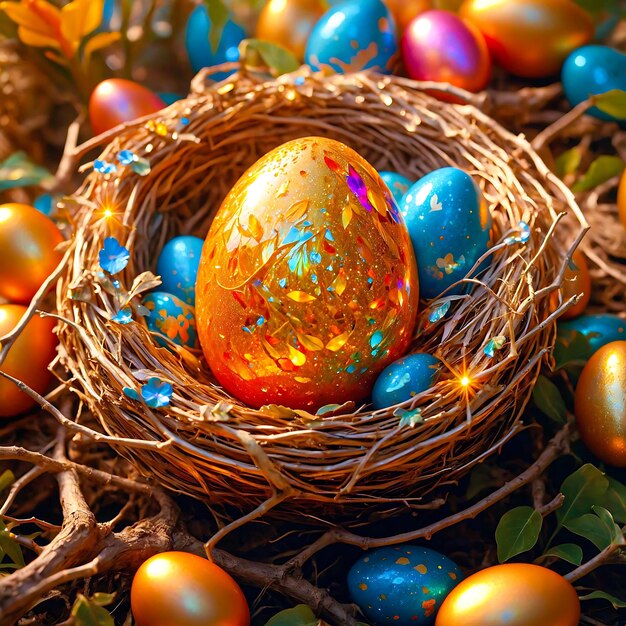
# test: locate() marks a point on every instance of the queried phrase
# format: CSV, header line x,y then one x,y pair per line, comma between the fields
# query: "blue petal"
x,y
131,393
113,256
123,316
126,157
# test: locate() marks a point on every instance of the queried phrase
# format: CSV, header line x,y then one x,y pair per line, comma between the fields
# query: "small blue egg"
x,y
398,185
449,224
593,70
598,330
354,35
171,317
199,49
402,585
178,267
45,203
404,379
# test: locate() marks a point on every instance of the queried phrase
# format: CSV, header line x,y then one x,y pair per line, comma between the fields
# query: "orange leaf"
x,y
32,38
336,343
346,216
340,282
296,357
79,18
310,342
35,15
301,296
101,40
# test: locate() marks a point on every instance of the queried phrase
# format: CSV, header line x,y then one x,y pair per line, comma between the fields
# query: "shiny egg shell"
x,y
403,585
449,224
513,594
177,266
597,329
171,317
621,199
354,35
398,184
307,286
576,282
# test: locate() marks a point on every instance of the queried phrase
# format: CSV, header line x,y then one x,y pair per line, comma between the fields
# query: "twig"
x,y
598,560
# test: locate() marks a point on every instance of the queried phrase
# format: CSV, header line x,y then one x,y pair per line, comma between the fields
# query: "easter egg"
x,y
45,204
398,184
403,585
28,255
171,317
201,53
404,379
530,38
117,100
600,404
515,594
177,266
353,35
403,12
307,286
27,360
597,329
440,46
449,225
181,589
576,282
621,198
593,70
289,22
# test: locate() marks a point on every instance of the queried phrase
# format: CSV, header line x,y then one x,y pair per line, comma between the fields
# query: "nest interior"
x,y
211,446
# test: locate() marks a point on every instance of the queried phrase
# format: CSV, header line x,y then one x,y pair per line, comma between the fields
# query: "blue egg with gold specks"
x,y
404,379
599,330
199,49
398,184
402,585
353,35
171,317
178,267
450,228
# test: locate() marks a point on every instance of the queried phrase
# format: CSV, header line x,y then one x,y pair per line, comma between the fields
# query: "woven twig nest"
x,y
211,446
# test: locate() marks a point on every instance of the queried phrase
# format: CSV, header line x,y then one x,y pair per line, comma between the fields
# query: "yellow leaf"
x,y
336,343
346,216
296,357
377,202
310,342
35,15
255,228
31,38
297,210
300,296
79,18
101,40
340,282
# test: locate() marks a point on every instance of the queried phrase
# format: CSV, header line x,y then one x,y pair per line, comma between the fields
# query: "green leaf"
x,y
569,552
601,595
609,523
600,170
88,613
482,478
103,599
548,399
568,162
517,532
300,615
612,102
19,171
590,527
572,349
7,478
615,500
10,547
582,489
258,53
218,14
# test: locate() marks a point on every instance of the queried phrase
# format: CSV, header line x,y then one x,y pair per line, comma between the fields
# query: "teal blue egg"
x,y
402,585
593,70
599,330
169,97
177,266
398,184
354,35
171,317
45,203
450,227
201,53
404,379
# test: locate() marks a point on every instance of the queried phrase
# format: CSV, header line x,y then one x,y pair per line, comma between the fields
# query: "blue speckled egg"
x,y
449,224
402,585
398,185
199,49
352,36
598,330
171,317
404,379
593,70
178,267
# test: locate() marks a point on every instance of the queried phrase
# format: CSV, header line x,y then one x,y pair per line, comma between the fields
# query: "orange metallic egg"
x,y
27,360
600,404
28,254
290,22
530,38
621,199
181,589
117,100
514,594
404,12
576,281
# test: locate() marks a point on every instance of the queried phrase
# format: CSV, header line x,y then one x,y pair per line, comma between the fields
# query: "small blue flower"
x,y
522,237
113,256
156,393
123,316
126,157
104,167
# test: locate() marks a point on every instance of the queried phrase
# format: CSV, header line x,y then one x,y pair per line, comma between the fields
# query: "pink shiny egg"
x,y
440,46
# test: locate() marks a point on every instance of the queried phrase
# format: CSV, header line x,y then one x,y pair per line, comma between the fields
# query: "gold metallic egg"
x,y
530,38
307,287
600,404
404,12
514,594
621,199
576,282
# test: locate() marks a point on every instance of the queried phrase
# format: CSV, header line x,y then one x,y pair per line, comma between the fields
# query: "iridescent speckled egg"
x,y
398,184
178,267
354,35
171,317
402,585
621,199
307,287
449,224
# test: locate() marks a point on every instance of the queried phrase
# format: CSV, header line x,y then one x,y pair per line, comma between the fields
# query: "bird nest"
x,y
183,161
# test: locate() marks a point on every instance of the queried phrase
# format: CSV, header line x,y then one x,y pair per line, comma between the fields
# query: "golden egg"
x,y
530,38
514,594
576,281
290,22
28,254
621,198
307,286
404,12
600,404
27,360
